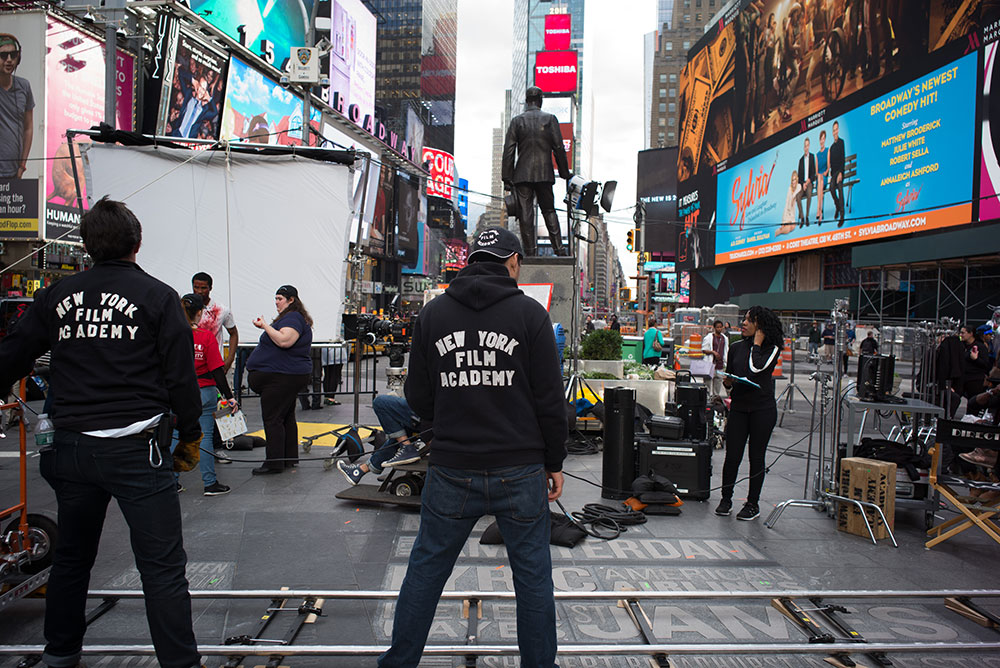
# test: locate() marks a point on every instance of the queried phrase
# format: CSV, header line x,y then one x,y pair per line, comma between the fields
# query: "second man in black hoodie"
x,y
485,368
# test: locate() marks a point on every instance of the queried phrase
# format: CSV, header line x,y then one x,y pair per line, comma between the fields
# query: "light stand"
x,y
788,394
827,471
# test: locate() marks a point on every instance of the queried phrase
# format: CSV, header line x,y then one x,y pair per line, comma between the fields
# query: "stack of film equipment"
x,y
875,378
677,446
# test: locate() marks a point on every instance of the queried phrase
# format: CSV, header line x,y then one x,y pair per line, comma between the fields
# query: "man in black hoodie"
x,y
122,358
485,368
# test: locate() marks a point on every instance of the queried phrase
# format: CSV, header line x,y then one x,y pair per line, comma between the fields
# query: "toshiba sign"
x,y
557,31
555,71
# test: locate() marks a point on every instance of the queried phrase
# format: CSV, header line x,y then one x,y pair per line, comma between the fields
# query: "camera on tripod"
x,y
369,328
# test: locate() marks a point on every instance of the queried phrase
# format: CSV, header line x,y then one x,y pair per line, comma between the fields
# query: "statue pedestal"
x,y
557,271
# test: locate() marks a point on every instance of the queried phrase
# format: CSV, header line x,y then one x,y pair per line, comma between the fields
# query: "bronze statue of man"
x,y
534,138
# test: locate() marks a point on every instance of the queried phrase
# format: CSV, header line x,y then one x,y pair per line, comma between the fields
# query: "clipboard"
x,y
738,379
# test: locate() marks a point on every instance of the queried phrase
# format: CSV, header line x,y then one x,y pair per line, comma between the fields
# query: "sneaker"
x,y
407,454
216,489
725,508
180,487
352,472
750,511
222,457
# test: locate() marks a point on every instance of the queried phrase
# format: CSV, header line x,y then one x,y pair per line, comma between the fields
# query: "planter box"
x,y
653,394
615,367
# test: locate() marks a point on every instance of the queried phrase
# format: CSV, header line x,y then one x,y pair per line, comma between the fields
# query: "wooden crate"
x,y
872,481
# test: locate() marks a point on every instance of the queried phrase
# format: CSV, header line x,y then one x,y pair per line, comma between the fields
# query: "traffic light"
x,y
630,241
625,294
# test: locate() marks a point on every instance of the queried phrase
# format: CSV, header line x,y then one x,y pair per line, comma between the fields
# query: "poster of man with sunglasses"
x,y
17,106
22,112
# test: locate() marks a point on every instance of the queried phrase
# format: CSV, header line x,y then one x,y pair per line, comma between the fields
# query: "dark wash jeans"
x,y
452,501
86,472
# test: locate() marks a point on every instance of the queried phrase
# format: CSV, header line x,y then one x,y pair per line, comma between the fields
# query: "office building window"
x,y
661,137
673,92
673,121
663,92
687,45
661,121
663,107
671,136
673,78
669,46
671,107
663,78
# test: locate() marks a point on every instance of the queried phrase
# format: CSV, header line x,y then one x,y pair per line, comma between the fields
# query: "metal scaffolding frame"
x,y
944,283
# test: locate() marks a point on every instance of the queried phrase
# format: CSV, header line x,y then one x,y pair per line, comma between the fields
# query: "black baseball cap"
x,y
287,291
495,241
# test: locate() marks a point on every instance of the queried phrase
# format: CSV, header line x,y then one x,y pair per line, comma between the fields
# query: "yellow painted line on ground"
x,y
314,428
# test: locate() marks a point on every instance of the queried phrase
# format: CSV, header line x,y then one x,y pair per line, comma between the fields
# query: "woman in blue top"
x,y
650,355
279,368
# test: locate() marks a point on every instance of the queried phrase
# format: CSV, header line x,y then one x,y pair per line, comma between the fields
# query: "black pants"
x,y
86,473
757,426
277,409
837,193
314,399
331,379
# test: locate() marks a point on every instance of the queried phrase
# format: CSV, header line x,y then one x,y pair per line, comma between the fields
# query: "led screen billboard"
x,y
194,95
74,100
440,166
989,169
771,65
558,29
269,28
352,57
656,187
555,71
259,110
907,163
407,213
22,125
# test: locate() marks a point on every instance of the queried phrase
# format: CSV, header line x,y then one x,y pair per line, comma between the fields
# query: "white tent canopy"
x,y
252,222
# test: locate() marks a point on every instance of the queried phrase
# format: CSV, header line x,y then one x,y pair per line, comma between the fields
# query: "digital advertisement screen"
x,y
696,226
269,28
440,167
555,71
74,79
22,126
194,98
407,212
770,65
259,110
558,30
656,187
989,170
907,157
352,58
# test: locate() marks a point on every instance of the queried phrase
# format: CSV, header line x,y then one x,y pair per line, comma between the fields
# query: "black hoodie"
x,y
485,368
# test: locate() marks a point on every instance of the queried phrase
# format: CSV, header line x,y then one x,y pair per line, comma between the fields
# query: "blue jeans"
x,y
86,473
206,460
397,420
452,501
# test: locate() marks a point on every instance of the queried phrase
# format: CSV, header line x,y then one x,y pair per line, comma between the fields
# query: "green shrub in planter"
x,y
601,344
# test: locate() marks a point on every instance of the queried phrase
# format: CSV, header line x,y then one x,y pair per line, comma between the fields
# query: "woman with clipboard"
x,y
753,411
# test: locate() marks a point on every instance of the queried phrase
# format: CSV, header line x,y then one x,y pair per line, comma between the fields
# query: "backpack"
x,y
891,451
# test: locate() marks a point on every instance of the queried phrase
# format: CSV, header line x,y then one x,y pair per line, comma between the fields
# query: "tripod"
x,y
788,394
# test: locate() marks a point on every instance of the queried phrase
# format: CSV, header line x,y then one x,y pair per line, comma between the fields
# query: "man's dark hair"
x,y
202,276
110,231
717,322
533,95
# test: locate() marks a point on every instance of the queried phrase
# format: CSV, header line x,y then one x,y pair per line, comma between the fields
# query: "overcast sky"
x,y
612,96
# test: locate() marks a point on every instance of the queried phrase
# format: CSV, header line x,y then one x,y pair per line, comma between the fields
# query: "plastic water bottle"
x,y
44,431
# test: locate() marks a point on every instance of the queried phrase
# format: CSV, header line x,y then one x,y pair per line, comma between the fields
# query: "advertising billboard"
x,y
770,65
440,166
907,157
383,212
566,131
989,169
193,96
259,110
269,29
656,187
22,123
352,58
74,100
558,29
555,71
407,213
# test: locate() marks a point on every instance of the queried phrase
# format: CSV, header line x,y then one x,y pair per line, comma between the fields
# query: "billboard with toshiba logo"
x,y
556,71
557,31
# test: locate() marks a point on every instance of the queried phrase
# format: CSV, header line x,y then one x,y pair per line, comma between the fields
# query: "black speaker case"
x,y
688,464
